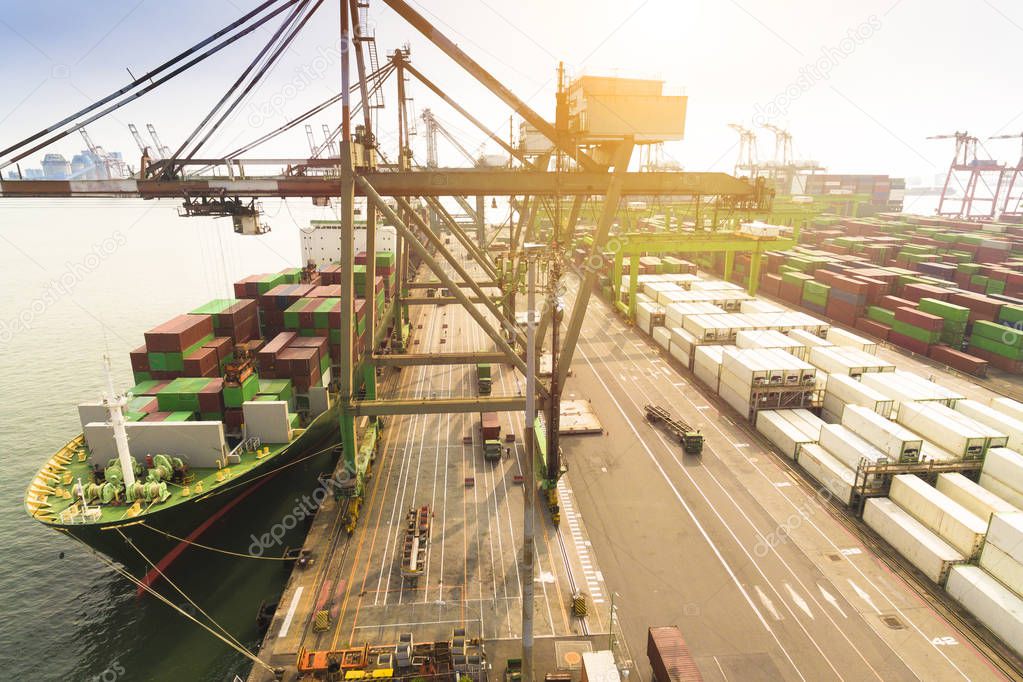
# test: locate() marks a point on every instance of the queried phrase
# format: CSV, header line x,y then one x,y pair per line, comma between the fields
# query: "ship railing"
x,y
250,444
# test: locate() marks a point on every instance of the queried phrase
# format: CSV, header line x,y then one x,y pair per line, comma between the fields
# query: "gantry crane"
x,y
219,184
433,129
1012,204
747,160
106,167
979,200
164,150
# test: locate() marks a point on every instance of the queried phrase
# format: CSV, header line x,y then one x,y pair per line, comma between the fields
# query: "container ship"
x,y
227,397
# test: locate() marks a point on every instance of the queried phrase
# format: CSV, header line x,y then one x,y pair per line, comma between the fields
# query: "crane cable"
x,y
141,585
178,589
212,549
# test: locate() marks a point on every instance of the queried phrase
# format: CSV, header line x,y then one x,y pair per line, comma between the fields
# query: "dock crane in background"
x,y
434,128
331,147
1012,204
979,199
747,161
144,149
105,166
782,144
784,171
164,150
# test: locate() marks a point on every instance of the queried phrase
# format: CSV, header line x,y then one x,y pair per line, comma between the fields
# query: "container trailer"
x,y
896,441
931,555
973,496
689,437
965,440
953,523
991,602
669,655
490,435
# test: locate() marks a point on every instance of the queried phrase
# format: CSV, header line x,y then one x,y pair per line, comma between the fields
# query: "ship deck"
x,y
51,497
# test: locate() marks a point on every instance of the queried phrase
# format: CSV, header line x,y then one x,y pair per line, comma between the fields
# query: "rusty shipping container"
x,y
669,656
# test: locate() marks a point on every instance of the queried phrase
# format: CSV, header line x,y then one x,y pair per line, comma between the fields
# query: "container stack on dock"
x,y
947,289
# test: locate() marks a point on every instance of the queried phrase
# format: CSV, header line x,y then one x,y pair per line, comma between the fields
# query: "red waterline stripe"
x,y
163,564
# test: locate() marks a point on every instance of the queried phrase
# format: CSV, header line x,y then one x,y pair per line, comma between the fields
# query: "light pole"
x,y
610,624
532,252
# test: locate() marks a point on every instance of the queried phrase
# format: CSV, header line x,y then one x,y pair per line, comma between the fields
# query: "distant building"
x,y
56,167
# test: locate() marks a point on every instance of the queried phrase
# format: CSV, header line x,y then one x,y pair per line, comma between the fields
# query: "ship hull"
x,y
147,545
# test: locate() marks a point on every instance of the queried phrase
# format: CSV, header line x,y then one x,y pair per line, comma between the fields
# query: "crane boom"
x,y
164,150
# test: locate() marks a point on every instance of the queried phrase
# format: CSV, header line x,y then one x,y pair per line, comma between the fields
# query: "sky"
x,y
860,85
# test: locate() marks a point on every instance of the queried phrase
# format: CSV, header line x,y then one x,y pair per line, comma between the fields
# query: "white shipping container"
x,y
958,526
1006,465
1006,533
1008,406
662,337
993,604
738,401
759,306
1003,490
973,496
769,338
848,361
837,478
841,337
910,387
806,421
643,320
808,339
1002,566
919,545
848,391
847,447
937,422
1012,427
890,438
675,313
707,365
782,433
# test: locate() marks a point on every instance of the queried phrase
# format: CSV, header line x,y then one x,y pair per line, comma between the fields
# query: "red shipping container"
x,y
873,328
842,311
893,302
211,398
233,418
771,284
139,359
267,355
999,361
963,362
156,416
179,333
915,292
201,362
326,291
909,343
299,361
981,307
918,318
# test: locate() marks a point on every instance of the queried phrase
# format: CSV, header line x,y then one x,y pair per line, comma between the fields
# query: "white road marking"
x,y
864,596
291,612
852,551
766,601
799,601
782,484
830,598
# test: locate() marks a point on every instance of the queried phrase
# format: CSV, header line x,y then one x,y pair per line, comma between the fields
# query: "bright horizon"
x,y
859,86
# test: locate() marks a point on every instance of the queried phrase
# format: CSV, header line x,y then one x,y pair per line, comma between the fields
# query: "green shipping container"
x,y
1013,352
1011,313
882,315
998,332
913,332
234,396
949,311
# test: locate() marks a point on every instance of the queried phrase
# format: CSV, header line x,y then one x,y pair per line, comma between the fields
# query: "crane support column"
x,y
754,272
347,416
369,379
611,199
633,286
729,265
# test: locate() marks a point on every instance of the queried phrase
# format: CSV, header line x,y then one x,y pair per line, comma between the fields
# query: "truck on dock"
x,y
690,438
490,435
417,543
669,655
484,380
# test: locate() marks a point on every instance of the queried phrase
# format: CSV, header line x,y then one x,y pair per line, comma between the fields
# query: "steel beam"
x,y
479,256
422,252
456,266
421,24
347,211
432,182
373,408
430,359
469,117
438,284
610,210
443,300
